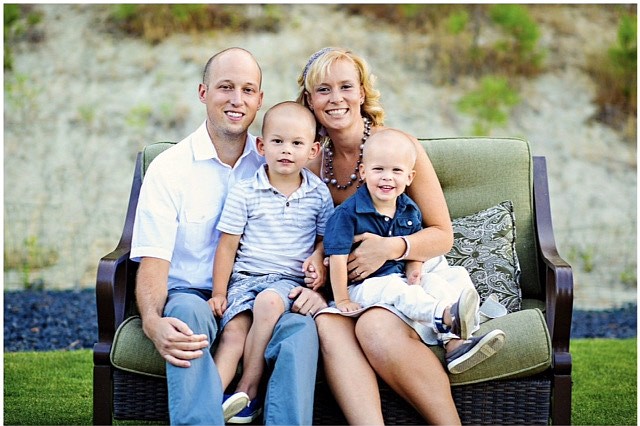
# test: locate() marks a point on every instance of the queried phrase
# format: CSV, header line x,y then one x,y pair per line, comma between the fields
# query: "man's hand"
x,y
307,301
175,341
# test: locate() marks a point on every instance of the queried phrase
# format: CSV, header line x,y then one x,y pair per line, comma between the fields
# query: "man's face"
x,y
232,95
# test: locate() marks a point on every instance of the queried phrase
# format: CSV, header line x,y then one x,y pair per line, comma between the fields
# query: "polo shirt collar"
x,y
203,148
364,203
262,181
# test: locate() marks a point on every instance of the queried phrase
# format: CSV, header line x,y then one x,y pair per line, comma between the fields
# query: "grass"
x,y
604,382
55,388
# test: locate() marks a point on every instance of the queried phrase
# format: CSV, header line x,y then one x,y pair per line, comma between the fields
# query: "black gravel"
x,y
54,320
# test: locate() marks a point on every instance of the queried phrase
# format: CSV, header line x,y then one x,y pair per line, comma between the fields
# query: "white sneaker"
x,y
233,404
474,351
463,313
492,308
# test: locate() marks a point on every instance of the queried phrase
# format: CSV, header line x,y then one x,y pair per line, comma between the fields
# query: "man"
x,y
175,240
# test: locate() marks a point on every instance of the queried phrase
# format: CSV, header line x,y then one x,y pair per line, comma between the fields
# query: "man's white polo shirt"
x,y
180,203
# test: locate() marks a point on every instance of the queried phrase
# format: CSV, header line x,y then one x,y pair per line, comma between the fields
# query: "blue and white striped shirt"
x,y
278,233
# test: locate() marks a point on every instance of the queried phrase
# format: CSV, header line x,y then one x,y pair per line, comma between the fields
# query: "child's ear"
x,y
412,174
260,145
361,170
315,150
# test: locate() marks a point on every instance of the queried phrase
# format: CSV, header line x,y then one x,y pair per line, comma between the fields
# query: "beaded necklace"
x,y
328,161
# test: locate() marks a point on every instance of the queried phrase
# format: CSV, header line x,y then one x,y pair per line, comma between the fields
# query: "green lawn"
x,y
55,388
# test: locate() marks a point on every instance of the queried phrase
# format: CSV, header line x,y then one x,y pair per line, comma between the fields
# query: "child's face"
x,y
387,167
288,142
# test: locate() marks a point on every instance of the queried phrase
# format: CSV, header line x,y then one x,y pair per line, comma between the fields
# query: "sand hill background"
x,y
81,102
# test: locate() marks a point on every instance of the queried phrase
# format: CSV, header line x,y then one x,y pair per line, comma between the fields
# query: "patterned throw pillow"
x,y
485,244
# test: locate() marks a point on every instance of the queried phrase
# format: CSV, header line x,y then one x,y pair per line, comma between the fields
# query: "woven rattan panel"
x,y
138,397
505,402
508,402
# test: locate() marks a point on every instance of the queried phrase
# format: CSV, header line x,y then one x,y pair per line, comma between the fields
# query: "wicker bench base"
x,y
138,397
523,401
506,402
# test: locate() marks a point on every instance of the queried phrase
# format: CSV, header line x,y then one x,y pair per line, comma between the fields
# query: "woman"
x,y
337,86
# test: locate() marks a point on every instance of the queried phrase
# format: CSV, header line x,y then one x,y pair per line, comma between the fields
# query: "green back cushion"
x,y
477,173
151,151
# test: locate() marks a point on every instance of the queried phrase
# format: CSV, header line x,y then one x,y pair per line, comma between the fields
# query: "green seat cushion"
x,y
526,351
133,351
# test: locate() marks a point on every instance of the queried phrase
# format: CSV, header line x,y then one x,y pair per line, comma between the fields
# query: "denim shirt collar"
x,y
364,202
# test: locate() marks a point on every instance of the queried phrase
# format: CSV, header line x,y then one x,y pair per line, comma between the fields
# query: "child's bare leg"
x,y
231,346
267,309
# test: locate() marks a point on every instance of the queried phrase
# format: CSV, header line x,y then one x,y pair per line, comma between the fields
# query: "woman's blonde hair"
x,y
318,67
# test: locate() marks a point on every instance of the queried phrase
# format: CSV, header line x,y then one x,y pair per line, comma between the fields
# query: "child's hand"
x,y
348,306
413,270
218,304
413,278
315,273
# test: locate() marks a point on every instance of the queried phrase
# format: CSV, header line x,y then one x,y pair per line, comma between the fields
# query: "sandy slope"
x,y
81,103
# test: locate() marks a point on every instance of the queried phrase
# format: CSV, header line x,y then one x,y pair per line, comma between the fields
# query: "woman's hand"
x,y
368,257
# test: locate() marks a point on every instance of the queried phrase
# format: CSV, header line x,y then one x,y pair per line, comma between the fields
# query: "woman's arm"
x,y
436,237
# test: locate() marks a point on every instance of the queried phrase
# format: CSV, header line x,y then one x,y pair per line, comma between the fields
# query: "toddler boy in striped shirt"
x,y
270,226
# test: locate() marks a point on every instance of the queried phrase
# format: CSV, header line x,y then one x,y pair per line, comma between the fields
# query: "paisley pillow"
x,y
485,244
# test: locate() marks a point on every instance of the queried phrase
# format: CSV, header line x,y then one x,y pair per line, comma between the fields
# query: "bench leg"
x,y
102,395
561,404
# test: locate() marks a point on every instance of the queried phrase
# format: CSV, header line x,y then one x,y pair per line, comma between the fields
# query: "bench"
x,y
527,382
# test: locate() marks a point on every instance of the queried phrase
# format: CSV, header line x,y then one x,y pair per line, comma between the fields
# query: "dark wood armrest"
x,y
110,297
115,284
556,273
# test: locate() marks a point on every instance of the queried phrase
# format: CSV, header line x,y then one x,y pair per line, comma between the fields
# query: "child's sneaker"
x,y
249,413
492,308
463,313
474,351
233,404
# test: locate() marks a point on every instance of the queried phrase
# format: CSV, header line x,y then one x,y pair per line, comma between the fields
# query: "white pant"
x,y
440,286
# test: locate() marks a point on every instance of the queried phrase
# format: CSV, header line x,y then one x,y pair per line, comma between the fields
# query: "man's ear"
x,y
202,92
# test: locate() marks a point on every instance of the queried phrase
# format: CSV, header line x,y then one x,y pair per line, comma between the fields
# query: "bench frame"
x,y
115,288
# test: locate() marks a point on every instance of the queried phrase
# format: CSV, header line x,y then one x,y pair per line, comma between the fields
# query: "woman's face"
x,y
336,100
